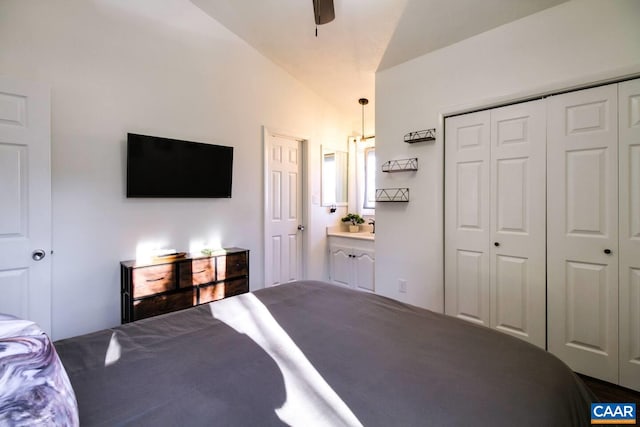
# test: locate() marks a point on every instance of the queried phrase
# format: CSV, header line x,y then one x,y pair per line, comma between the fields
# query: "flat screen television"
x,y
164,167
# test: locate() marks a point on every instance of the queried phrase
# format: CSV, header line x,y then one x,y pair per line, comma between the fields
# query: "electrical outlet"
x,y
402,286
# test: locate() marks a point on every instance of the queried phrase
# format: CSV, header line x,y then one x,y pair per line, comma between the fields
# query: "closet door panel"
x,y
518,216
582,230
470,303
510,313
629,179
586,305
586,199
467,217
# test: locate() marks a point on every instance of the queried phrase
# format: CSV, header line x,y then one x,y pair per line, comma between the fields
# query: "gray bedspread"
x,y
310,353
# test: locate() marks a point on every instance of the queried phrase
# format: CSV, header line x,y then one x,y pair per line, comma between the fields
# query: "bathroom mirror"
x,y
335,169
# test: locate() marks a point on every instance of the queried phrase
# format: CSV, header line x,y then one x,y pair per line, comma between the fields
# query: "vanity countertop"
x,y
361,235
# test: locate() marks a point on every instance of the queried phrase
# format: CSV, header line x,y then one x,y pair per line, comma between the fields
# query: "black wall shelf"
x,y
420,136
392,195
401,165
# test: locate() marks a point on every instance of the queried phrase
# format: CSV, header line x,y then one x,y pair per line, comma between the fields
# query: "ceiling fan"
x,y
323,12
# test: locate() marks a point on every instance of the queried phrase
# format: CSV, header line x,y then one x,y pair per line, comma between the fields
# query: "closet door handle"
x,y
38,254
496,244
607,251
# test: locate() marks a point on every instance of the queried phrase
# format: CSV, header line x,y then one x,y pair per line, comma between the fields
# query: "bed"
x,y
311,353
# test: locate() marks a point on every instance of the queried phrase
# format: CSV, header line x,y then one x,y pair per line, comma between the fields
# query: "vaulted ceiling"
x,y
366,36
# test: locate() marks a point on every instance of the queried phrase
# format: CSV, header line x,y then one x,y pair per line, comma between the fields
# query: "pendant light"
x,y
363,102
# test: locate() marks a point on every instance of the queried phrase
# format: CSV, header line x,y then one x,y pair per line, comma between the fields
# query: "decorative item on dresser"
x,y
157,287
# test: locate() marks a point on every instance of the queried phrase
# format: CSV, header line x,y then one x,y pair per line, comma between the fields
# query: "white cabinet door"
x,y
629,258
364,264
353,267
25,201
582,227
340,269
467,237
518,221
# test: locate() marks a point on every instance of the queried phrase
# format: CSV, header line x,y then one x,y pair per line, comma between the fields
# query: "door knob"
x,y
496,244
607,251
38,254
301,227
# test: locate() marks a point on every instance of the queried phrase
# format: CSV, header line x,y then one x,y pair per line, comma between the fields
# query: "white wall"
x,y
574,43
159,67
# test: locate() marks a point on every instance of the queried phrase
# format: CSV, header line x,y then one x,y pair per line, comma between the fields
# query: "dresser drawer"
x,y
197,272
211,293
236,287
153,279
223,290
163,304
232,265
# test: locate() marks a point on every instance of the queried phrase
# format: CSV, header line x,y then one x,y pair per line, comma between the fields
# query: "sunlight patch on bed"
x,y
310,400
113,351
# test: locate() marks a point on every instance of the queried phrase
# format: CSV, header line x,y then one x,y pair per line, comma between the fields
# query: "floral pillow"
x,y
34,387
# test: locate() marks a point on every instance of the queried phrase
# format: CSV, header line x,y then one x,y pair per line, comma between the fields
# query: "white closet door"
x,y
518,221
467,154
582,227
629,135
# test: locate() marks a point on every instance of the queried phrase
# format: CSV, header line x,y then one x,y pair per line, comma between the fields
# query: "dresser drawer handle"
x,y
198,272
155,280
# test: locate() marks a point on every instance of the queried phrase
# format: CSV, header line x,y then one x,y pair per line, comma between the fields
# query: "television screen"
x,y
163,167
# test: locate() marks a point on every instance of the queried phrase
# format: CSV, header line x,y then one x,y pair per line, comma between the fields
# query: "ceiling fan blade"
x,y
323,11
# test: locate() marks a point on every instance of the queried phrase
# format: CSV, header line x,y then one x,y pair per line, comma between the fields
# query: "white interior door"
x,y
467,251
629,144
284,223
25,201
518,221
582,221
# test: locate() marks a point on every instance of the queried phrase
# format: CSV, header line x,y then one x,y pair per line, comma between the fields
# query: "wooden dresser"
x,y
149,289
